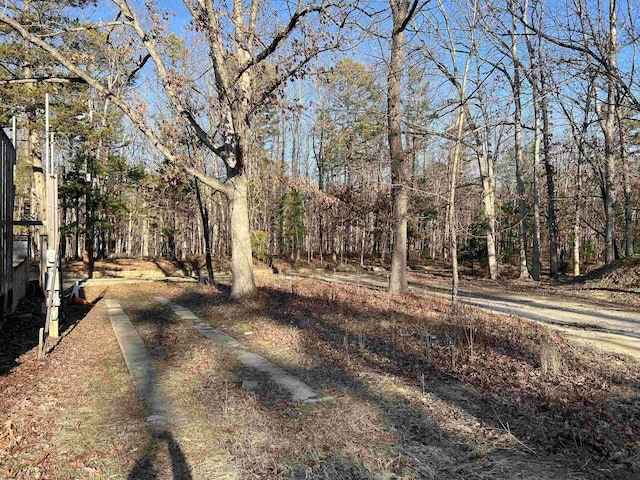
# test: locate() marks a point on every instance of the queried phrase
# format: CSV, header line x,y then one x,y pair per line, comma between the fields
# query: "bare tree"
x,y
402,11
241,57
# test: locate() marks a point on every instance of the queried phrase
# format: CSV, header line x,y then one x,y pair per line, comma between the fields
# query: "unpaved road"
x,y
611,327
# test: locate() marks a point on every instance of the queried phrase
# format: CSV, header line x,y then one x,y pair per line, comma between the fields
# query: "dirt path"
x,y
615,328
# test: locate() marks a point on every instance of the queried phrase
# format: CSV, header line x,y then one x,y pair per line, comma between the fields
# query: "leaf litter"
x,y
417,392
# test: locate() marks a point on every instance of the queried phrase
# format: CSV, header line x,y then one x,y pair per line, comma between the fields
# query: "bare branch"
x,y
28,81
109,94
281,36
150,44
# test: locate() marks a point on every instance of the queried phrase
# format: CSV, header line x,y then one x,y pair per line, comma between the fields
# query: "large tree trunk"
x,y
243,282
399,163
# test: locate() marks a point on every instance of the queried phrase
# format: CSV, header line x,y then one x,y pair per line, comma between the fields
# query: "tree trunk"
x,y
576,226
485,153
453,237
488,205
626,188
520,191
552,223
204,215
607,123
399,163
535,267
243,282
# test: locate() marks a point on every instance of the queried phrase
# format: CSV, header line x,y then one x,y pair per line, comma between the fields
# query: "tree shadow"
x,y
72,314
142,361
580,431
20,333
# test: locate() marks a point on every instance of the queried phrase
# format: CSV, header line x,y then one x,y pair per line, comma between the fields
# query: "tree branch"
x,y
150,44
27,81
210,181
281,36
599,59
117,100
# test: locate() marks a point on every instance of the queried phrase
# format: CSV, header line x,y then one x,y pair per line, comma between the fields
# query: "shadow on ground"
x,y
569,440
145,469
20,332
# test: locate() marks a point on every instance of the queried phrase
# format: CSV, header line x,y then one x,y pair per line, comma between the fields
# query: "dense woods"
x,y
370,133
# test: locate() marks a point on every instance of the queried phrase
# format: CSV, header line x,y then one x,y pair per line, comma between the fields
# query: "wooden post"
x,y
53,281
41,343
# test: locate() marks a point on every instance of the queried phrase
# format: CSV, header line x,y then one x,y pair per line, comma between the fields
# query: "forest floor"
x,y
413,390
599,310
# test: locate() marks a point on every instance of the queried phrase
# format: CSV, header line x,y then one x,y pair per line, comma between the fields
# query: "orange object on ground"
x,y
78,301
75,296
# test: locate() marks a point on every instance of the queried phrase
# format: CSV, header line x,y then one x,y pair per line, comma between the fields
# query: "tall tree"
x,y
402,11
239,52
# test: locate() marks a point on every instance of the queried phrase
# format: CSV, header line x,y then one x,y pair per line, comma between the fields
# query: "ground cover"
x,y
73,415
416,392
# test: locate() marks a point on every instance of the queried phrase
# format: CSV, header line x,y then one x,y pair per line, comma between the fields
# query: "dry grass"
x,y
74,415
417,393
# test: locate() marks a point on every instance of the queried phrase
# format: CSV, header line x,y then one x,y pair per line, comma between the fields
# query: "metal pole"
x,y
14,133
52,170
46,132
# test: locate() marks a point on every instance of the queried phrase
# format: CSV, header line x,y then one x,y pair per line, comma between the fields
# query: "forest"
x,y
502,135
343,240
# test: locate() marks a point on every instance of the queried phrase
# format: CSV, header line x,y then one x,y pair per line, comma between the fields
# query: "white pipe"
x,y
14,133
46,132
52,169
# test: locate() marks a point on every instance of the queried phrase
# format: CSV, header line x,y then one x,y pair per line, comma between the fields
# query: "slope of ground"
x,y
619,281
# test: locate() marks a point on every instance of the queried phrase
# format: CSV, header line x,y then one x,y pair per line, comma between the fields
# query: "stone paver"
x,y
298,390
141,365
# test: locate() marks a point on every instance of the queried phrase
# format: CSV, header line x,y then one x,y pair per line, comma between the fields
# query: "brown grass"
x,y
417,392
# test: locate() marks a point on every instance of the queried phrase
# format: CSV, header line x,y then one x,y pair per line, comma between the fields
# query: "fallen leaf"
x,y
41,458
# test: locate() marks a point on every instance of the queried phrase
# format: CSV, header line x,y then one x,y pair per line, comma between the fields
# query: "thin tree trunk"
x,y
453,236
552,223
576,221
535,267
520,191
608,117
204,215
626,187
488,204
